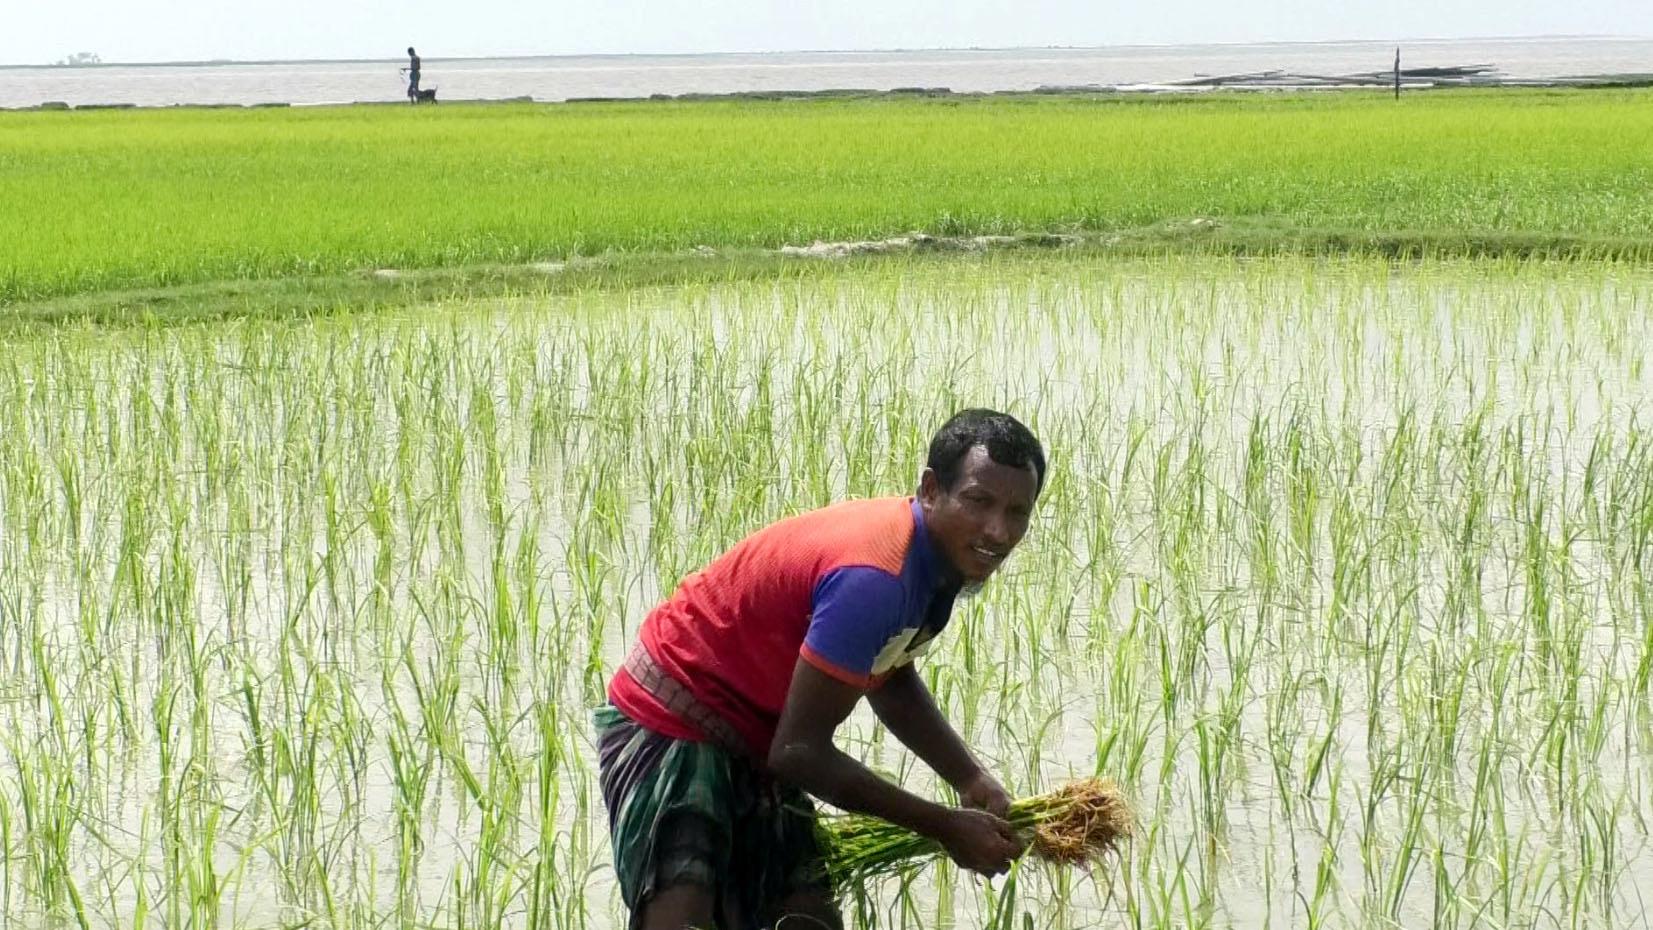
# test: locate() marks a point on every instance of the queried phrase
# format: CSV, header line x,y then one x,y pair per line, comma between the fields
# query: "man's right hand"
x,y
802,754
979,841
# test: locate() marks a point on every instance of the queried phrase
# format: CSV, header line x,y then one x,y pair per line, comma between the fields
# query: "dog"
x,y
423,95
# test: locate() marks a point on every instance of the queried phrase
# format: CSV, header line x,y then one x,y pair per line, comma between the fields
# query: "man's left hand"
x,y
984,792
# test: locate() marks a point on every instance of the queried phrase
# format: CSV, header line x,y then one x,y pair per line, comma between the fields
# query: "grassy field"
x,y
102,200
1343,571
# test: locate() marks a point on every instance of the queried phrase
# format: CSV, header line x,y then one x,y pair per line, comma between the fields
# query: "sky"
x,y
36,32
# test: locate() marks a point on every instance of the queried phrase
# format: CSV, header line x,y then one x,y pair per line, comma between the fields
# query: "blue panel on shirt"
x,y
866,622
857,611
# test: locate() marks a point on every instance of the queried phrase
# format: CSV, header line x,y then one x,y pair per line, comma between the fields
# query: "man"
x,y
413,75
722,716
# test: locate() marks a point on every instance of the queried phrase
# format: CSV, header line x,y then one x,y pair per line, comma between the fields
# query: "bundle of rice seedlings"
x,y
1077,824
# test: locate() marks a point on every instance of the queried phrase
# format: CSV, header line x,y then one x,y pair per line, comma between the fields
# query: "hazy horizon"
x,y
320,30
1402,41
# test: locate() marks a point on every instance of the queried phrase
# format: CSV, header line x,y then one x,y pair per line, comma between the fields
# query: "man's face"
x,y
977,521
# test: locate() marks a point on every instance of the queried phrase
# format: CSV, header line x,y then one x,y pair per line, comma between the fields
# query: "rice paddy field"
x,y
98,200
1343,572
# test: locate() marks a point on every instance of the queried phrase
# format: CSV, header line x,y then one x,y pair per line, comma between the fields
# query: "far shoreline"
x,y
1140,69
1259,83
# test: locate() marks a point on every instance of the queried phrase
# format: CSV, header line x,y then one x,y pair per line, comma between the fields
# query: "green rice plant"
x,y
1341,572
294,192
1081,823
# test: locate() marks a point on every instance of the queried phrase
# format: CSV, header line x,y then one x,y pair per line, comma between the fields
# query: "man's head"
x,y
410,50
984,472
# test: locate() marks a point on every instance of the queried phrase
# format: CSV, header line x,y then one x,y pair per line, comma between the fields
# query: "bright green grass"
x,y
123,199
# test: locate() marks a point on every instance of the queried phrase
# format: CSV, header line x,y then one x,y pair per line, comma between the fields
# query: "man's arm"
x,y
906,707
804,755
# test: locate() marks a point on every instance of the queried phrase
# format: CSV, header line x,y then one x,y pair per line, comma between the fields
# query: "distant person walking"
x,y
413,75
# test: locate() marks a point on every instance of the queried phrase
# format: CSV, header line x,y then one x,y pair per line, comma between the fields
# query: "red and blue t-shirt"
x,y
856,589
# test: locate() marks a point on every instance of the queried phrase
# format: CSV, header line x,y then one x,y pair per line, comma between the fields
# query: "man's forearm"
x,y
910,713
830,774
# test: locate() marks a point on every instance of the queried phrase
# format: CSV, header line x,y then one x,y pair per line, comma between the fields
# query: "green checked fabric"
x,y
683,812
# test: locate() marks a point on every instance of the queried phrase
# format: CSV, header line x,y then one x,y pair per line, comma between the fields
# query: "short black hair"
x,y
1007,441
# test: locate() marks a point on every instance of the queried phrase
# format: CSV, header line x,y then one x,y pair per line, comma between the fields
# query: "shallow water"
x,y
559,78
1341,573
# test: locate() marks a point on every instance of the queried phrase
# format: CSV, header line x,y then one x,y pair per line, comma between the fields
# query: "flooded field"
x,y
1343,572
